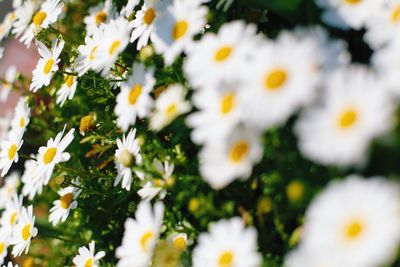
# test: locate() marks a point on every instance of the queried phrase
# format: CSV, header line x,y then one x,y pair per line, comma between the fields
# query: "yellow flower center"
x,y
347,118
353,229
48,66
65,200
171,110
275,79
125,158
22,122
180,243
144,240
12,151
239,151
39,17
223,53
352,2
227,103
101,17
180,29
69,81
114,46
149,16
26,232
396,15
226,259
13,218
134,94
91,55
89,263
49,155
2,246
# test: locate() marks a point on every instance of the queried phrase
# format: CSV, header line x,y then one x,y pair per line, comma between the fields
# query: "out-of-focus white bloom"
x,y
7,24
222,161
127,154
62,207
169,105
220,110
9,150
127,10
24,15
228,243
349,13
354,223
87,257
7,83
22,116
144,25
32,185
68,88
156,186
4,241
52,154
355,109
134,100
141,236
179,240
302,258
177,27
23,232
5,124
100,14
11,214
221,57
276,87
9,189
115,39
384,25
165,254
47,65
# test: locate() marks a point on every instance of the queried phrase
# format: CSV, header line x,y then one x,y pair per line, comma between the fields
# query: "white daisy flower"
x,y
9,150
22,116
23,232
62,207
47,65
177,28
126,156
52,154
4,242
169,105
276,87
302,258
156,186
6,84
354,223
47,14
87,57
127,10
220,110
134,100
100,14
87,257
222,161
144,25
7,24
386,62
24,15
68,88
32,185
355,109
141,236
228,243
9,189
11,214
384,25
115,39
221,57
348,13
179,240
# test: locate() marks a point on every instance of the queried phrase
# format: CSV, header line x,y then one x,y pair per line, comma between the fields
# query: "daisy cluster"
x,y
206,137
